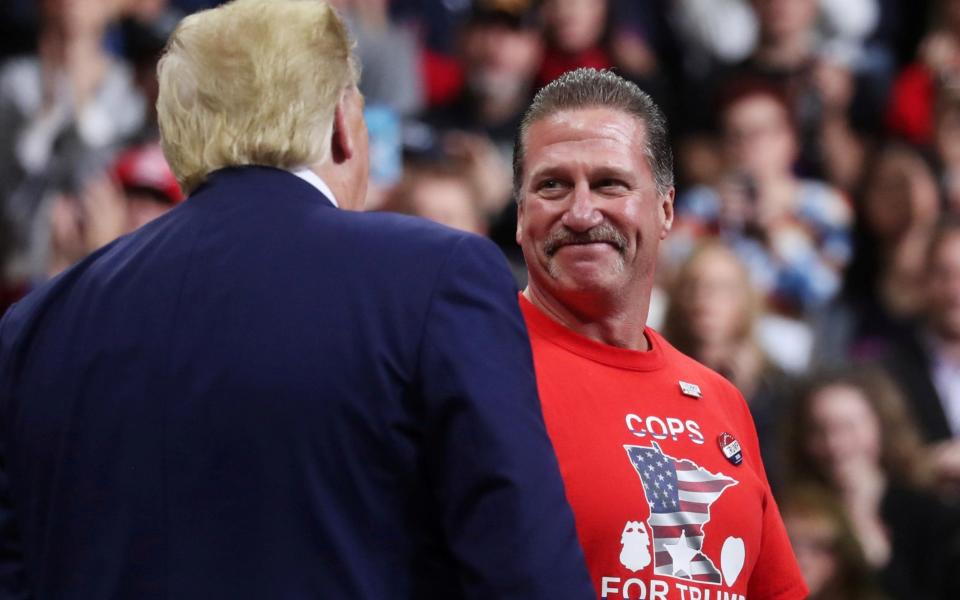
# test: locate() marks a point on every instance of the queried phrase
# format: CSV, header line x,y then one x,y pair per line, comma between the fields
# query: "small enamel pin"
x,y
730,448
690,389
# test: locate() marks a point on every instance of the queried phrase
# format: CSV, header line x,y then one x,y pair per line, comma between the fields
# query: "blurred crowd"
x,y
814,261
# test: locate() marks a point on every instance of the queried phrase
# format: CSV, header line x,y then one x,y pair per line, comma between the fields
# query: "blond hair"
x,y
253,82
678,326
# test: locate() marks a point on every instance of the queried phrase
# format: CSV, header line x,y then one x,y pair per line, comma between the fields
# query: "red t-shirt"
x,y
643,440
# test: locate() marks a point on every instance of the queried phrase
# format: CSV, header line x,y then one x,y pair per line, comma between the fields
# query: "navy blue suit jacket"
x,y
261,396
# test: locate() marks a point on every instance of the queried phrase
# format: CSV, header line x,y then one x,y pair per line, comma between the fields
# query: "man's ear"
x,y
341,145
666,208
519,234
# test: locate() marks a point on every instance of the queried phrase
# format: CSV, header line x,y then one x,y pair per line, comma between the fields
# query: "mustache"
x,y
602,233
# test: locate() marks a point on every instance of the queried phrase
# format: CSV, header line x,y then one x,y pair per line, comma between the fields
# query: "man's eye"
x,y
611,183
549,184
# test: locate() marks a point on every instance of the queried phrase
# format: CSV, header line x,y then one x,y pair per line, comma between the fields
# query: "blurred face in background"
x,y
785,18
575,25
901,193
814,541
713,295
845,430
80,17
758,137
447,200
501,60
943,290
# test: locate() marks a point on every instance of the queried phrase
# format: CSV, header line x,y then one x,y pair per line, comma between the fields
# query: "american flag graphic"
x,y
679,493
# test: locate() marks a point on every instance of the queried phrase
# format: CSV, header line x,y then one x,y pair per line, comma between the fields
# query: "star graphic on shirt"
x,y
681,554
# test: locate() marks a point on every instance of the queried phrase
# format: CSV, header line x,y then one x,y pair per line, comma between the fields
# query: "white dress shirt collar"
x,y
945,375
314,180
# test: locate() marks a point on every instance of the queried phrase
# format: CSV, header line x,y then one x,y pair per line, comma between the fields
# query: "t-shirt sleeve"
x,y
776,574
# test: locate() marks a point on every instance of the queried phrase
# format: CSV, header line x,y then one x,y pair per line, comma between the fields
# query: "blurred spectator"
x,y
793,233
147,183
437,20
926,364
577,33
437,23
827,549
587,33
145,29
440,192
500,48
850,432
92,211
715,32
70,101
714,315
831,103
912,103
389,55
947,142
884,284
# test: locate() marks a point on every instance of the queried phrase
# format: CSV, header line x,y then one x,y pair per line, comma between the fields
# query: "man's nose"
x,y
582,214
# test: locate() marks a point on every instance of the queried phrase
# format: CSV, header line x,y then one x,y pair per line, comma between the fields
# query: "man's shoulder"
x,y
264,190
395,240
411,230
683,364
22,316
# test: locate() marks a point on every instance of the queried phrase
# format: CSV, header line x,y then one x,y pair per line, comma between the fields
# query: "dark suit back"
x,y
261,396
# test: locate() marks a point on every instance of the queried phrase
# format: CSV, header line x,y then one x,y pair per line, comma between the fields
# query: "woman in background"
x,y
849,431
714,315
883,289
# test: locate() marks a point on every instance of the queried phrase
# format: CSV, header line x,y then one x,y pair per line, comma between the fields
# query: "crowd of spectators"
x,y
815,257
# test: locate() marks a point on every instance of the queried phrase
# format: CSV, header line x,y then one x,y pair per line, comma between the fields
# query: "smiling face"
x,y
758,137
590,216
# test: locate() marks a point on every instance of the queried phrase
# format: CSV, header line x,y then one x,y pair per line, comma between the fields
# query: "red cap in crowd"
x,y
145,168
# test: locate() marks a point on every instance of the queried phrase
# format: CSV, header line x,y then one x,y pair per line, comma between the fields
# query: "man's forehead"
x,y
591,137
593,123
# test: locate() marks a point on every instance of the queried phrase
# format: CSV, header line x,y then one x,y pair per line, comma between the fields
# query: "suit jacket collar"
x,y
266,180
317,182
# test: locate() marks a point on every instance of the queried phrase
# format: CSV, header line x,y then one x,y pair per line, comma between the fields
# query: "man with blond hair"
x,y
258,395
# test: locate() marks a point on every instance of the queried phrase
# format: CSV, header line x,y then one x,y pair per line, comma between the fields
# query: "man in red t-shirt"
x,y
658,453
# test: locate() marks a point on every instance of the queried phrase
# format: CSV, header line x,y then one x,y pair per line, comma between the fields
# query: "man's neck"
x,y
605,320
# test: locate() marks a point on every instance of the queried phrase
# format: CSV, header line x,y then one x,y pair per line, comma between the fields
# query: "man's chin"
x,y
584,278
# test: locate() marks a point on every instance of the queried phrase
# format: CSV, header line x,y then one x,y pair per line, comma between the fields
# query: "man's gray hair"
x,y
590,88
